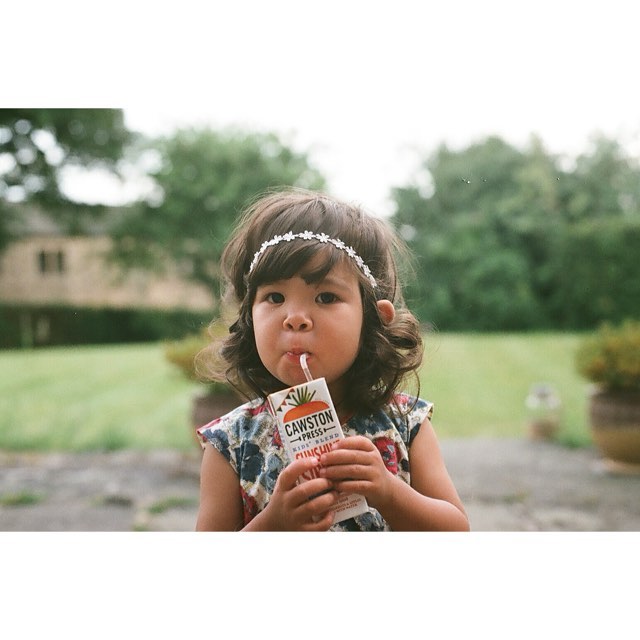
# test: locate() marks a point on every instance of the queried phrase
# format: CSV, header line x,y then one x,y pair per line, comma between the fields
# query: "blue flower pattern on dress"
x,y
248,438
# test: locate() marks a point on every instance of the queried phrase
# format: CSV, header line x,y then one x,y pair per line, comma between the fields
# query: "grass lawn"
x,y
98,397
111,397
479,383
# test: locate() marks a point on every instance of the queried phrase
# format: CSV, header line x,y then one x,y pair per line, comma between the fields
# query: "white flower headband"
x,y
321,237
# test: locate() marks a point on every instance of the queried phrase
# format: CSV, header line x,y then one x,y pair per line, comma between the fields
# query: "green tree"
x,y
493,230
605,183
37,145
595,273
476,232
203,179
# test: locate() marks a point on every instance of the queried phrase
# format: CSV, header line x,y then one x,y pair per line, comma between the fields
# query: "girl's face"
x,y
323,320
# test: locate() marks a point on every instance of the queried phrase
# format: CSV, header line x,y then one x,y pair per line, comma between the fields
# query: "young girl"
x,y
312,275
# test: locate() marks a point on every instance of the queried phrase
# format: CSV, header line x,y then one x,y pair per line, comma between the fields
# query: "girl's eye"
x,y
326,297
274,297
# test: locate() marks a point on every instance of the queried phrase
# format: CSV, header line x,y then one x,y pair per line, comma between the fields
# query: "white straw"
x,y
305,368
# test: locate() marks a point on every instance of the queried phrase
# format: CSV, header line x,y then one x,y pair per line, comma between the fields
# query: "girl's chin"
x,y
291,380
293,377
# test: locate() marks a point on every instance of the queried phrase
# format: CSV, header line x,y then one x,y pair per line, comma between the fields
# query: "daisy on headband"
x,y
320,237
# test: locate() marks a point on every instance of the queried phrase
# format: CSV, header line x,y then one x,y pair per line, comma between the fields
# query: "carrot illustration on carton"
x,y
303,404
308,425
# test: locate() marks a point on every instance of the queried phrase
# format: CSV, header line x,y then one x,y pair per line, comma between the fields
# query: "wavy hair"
x,y
389,353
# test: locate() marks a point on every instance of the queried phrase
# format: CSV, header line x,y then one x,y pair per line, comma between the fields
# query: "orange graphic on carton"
x,y
302,404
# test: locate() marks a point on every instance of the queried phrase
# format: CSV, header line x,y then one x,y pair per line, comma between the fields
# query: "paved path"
x,y
506,485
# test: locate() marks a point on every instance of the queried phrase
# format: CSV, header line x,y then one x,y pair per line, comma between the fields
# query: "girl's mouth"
x,y
293,357
296,353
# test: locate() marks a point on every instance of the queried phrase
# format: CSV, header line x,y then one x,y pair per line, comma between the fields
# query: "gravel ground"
x,y
506,485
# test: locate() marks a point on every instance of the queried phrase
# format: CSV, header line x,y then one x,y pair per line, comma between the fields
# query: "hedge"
x,y
48,325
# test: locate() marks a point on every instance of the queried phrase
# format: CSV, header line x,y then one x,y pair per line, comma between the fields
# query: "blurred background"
x,y
501,140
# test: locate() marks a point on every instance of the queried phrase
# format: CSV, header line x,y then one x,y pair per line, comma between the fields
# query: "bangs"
x,y
311,261
306,235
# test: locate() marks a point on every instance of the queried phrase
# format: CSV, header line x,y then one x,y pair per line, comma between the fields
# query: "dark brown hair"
x,y
388,353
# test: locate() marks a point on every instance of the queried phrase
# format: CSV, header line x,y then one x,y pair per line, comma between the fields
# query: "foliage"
x,y
203,180
19,499
611,356
595,273
510,239
29,326
172,502
37,145
183,353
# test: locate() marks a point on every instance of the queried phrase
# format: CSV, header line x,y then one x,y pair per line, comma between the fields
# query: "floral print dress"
x,y
248,438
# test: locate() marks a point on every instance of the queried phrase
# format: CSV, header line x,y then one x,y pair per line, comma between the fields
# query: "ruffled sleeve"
x,y
412,412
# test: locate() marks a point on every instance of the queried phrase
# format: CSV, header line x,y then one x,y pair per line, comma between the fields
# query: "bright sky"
x,y
365,87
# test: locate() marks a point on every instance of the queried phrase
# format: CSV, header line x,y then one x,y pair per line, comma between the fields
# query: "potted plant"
x,y
610,359
214,399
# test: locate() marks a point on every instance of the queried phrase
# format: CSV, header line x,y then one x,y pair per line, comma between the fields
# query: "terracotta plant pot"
x,y
209,406
543,429
615,428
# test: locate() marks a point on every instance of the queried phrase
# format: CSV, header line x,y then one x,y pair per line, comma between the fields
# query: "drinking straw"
x,y
305,368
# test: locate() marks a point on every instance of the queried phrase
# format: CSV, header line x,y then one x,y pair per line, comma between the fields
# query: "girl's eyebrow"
x,y
333,281
326,281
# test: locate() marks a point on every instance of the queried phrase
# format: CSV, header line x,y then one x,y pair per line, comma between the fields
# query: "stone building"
x,y
45,268
75,271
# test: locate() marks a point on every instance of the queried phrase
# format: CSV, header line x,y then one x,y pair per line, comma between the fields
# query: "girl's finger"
x,y
289,476
345,456
353,486
308,490
320,525
354,443
342,471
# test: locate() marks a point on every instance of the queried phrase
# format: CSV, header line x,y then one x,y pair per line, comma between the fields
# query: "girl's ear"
x,y
386,310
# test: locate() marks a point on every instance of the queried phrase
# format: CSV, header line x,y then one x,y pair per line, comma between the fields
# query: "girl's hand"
x,y
292,507
355,466
429,503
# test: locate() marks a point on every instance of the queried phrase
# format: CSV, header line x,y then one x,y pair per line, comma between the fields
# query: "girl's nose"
x,y
298,320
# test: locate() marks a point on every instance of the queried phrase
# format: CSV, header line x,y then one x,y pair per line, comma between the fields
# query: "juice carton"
x,y
308,425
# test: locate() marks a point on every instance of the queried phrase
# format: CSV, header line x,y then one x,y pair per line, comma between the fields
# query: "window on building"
x,y
51,261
